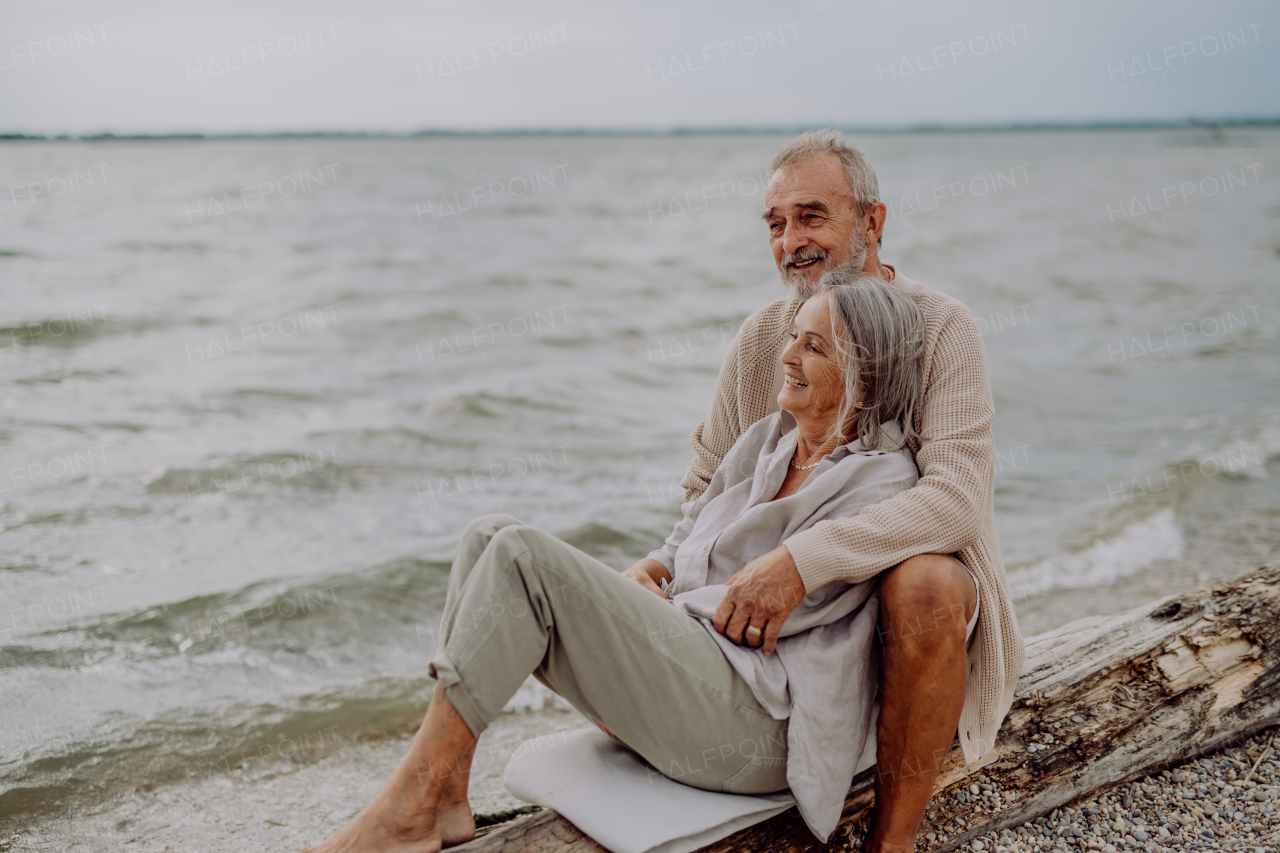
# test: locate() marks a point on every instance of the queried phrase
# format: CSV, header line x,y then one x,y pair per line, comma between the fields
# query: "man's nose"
x,y
793,238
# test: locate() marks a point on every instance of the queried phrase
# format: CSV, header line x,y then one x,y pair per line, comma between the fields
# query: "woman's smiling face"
x,y
813,387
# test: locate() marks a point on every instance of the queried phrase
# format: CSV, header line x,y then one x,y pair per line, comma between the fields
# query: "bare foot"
x,y
453,813
385,827
875,842
406,818
419,810
455,822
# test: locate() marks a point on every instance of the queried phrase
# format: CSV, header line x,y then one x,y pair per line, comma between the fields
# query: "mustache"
x,y
803,255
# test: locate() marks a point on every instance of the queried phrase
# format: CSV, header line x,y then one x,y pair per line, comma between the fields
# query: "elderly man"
x,y
934,545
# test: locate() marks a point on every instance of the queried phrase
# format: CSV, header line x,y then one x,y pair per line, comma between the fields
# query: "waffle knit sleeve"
x,y
714,437
947,510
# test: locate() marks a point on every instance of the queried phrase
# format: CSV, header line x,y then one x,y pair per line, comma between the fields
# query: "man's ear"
x,y
873,222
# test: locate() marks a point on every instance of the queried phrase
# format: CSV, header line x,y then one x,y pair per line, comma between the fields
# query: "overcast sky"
x,y
381,65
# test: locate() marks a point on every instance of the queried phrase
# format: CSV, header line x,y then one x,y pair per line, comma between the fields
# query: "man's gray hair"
x,y
862,178
880,335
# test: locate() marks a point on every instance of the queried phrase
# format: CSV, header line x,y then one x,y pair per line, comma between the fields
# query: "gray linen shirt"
x,y
823,673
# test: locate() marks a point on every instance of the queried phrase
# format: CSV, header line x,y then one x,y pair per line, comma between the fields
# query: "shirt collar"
x,y
890,430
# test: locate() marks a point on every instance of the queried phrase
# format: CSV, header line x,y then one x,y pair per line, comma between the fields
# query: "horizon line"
x,y
717,130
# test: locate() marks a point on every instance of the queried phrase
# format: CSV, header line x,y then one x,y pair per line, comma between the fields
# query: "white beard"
x,y
802,286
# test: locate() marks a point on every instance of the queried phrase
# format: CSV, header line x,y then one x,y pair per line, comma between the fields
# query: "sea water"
x,y
251,391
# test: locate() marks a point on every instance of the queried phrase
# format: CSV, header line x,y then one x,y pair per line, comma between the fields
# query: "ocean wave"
x,y
20,656
59,332
603,540
1105,561
164,247
490,406
1245,456
1251,341
306,470
384,602
394,440
74,329
122,751
1231,451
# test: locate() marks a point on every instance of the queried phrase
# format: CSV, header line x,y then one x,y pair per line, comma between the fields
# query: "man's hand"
x,y
648,573
761,594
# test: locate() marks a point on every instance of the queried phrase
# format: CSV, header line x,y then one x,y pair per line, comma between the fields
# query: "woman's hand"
x,y
649,573
761,596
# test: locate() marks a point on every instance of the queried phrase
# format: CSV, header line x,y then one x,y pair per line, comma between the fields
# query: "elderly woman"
x,y
715,678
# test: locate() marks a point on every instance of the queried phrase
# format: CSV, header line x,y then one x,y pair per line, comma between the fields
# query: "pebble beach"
x,y
1223,801
1228,800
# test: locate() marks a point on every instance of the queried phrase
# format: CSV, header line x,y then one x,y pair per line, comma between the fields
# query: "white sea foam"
x,y
1239,459
1105,561
1233,443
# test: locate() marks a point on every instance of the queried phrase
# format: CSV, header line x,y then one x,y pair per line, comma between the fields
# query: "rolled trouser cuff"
x,y
446,675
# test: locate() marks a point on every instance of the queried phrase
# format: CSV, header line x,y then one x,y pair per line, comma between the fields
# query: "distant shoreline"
x,y
1015,127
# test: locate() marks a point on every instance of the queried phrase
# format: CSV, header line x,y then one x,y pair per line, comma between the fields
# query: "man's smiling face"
x,y
813,227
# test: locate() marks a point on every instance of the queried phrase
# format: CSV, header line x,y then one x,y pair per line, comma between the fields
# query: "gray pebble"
x,y
1163,812
1077,719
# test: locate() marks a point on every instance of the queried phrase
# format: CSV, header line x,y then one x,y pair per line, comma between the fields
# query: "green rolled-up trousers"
x,y
523,602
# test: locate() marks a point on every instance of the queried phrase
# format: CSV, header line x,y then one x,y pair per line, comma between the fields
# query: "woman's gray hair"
x,y
880,334
862,178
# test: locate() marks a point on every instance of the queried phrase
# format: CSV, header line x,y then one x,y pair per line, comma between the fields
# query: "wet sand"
x,y
278,806
1209,803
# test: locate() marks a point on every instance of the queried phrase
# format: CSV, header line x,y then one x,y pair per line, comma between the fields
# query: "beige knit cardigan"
x,y
949,511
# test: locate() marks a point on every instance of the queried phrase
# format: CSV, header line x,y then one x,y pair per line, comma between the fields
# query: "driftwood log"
x,y
1102,700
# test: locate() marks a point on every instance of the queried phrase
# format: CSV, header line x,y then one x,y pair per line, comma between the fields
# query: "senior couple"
x,y
834,586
